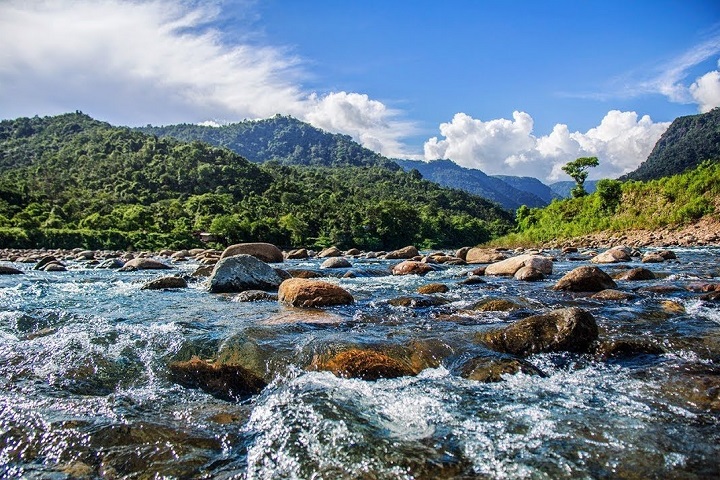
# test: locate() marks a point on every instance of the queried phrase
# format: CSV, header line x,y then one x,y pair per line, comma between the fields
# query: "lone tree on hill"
x,y
577,169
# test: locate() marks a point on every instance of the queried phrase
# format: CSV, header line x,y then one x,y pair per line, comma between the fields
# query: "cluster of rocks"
x,y
247,270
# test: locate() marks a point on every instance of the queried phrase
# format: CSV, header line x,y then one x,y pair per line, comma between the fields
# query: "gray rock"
x,y
243,272
336,262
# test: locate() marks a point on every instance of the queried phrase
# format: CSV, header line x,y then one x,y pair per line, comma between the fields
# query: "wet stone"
x,y
492,369
362,364
226,382
165,283
433,288
417,301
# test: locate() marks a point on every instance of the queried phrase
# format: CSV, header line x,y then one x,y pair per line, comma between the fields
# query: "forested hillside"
x,y
72,181
688,142
281,138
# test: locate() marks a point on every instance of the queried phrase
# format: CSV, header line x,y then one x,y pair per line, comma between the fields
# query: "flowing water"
x,y
85,389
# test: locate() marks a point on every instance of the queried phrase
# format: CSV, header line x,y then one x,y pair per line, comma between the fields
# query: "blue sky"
x,y
508,87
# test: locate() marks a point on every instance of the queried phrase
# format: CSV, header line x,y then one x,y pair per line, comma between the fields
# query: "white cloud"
x,y
621,142
706,91
161,62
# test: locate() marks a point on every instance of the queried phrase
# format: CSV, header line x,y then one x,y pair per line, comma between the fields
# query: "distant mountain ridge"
x,y
450,174
689,141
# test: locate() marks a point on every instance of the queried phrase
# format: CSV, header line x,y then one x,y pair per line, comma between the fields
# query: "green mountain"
x,y
685,144
531,185
70,180
282,139
450,174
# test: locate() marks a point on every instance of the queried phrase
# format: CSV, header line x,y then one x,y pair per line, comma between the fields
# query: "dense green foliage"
x,y
688,141
72,181
618,206
282,139
450,174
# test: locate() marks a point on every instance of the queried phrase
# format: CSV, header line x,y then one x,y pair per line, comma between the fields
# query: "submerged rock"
x,y
165,282
567,329
362,364
417,301
243,272
266,252
226,382
585,279
624,348
254,296
491,369
433,288
300,292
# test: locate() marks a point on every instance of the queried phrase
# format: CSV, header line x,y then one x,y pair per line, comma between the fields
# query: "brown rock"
x,y
363,364
254,296
330,252
336,262
433,288
410,267
227,382
403,253
143,264
614,255
567,329
472,280
302,273
610,294
529,274
266,252
298,254
511,265
203,271
483,255
622,348
299,292
635,274
585,279
461,253
165,282
496,305
652,258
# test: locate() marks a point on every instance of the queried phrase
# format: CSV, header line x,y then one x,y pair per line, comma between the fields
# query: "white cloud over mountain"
x,y
706,91
621,142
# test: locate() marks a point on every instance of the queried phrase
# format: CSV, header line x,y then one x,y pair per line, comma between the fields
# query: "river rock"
x,y
483,255
255,296
336,262
433,288
529,274
635,274
165,282
496,305
652,258
6,270
303,273
411,267
417,301
610,294
491,369
40,265
353,252
54,267
363,364
330,252
567,329
472,280
143,264
243,272
627,347
300,292
226,382
297,254
85,255
403,253
585,279
266,252
203,271
614,255
511,265
461,253
111,263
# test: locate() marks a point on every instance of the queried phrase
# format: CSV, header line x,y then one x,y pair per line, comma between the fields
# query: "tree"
x,y
610,194
577,169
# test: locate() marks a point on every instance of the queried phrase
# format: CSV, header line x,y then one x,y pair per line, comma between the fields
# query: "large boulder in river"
x,y
143,264
563,330
585,279
266,252
483,255
363,364
511,265
305,293
403,253
243,272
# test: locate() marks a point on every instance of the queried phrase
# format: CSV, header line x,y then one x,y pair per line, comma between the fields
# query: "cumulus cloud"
x,y
161,62
706,91
621,142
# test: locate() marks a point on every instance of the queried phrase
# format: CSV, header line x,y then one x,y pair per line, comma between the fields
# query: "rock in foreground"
x,y
305,293
363,364
227,382
564,330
